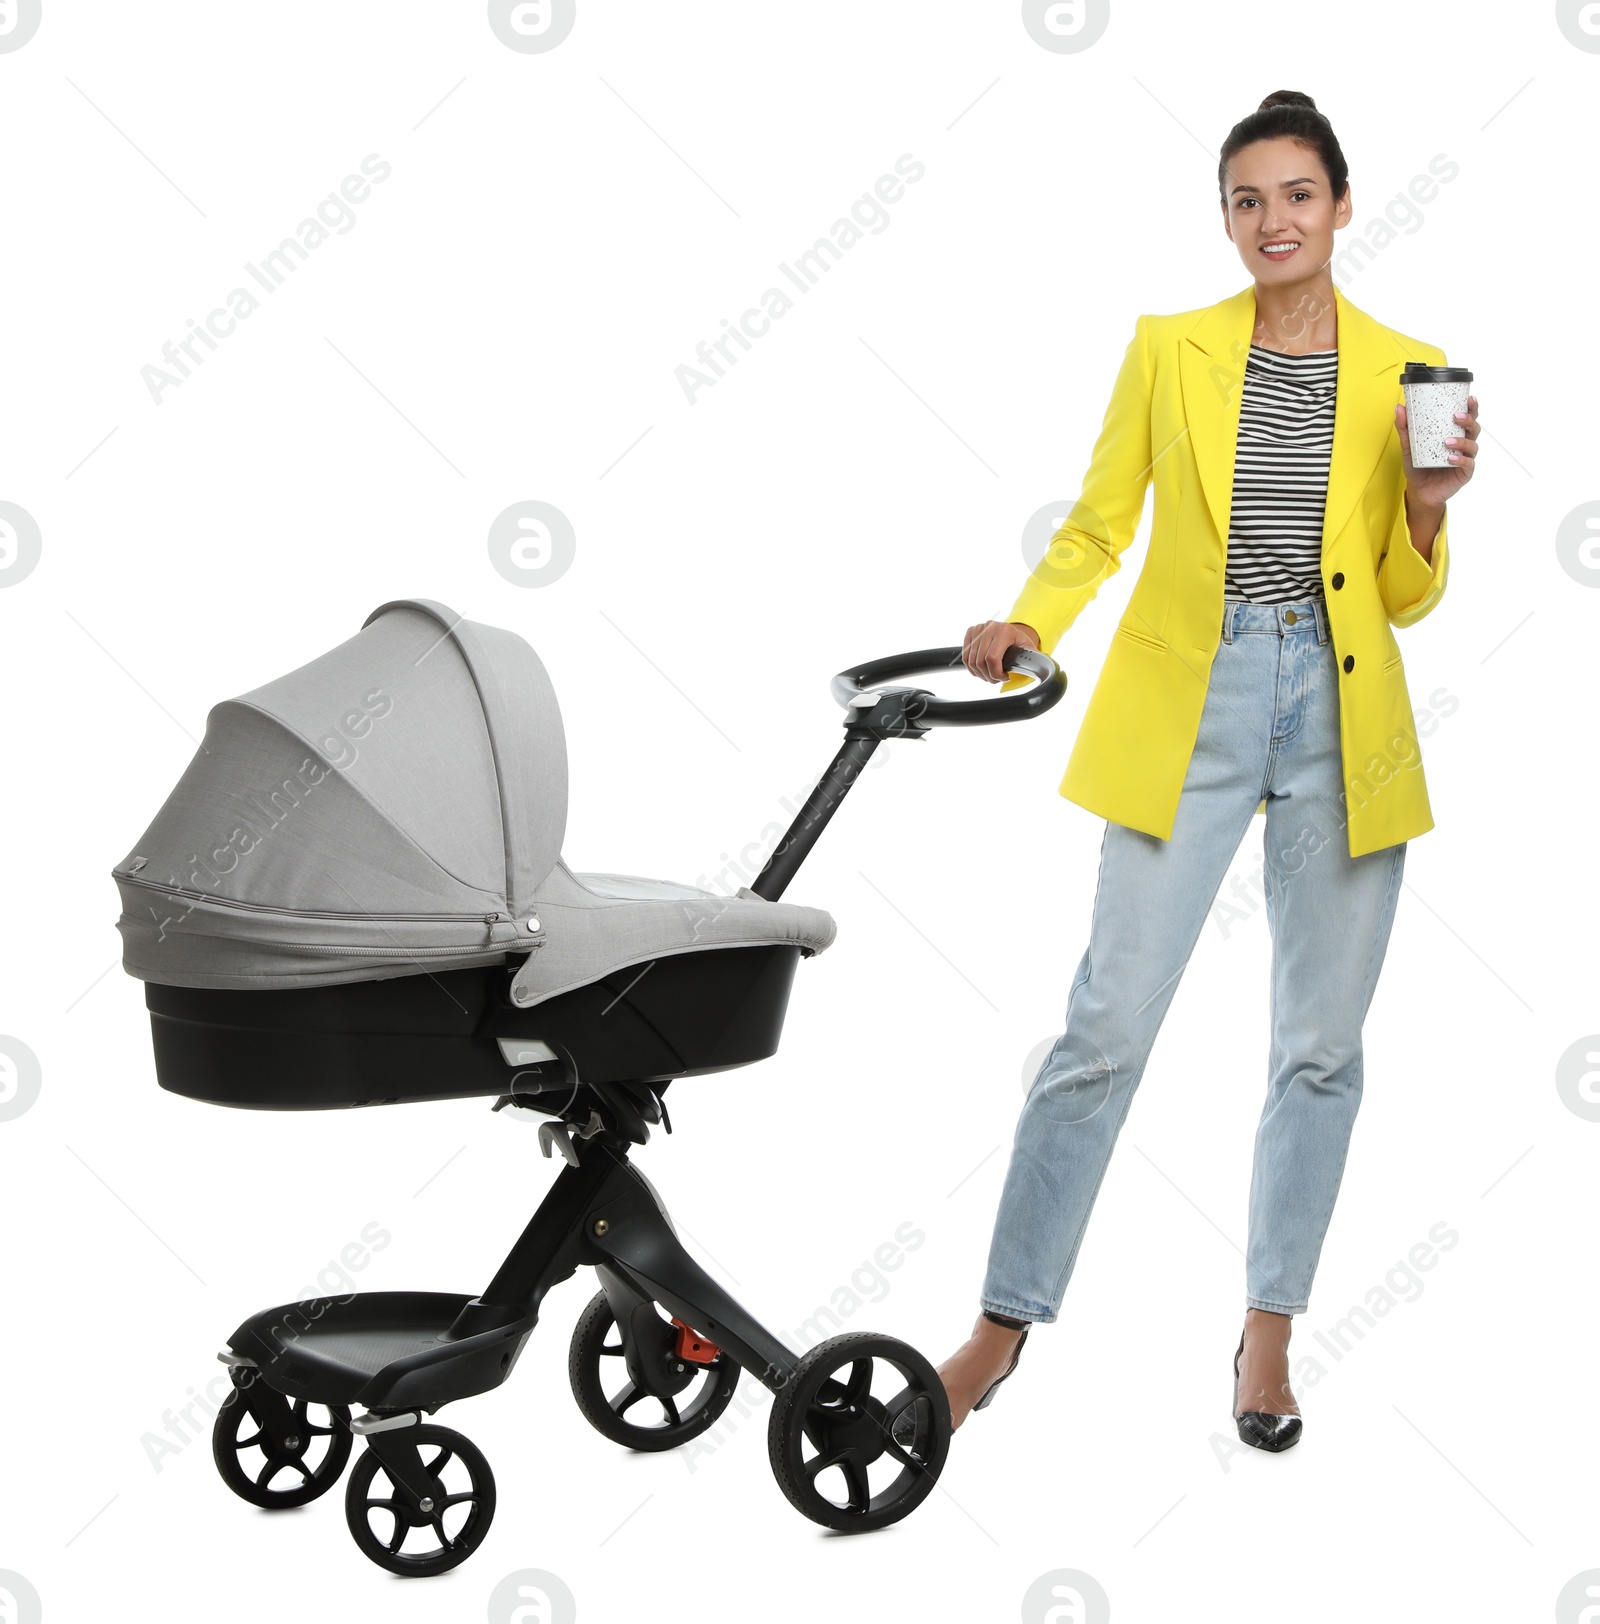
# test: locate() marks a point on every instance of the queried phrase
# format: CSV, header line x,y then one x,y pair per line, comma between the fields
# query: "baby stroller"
x,y
355,896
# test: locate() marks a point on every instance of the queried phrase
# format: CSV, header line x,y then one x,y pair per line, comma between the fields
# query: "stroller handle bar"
x,y
875,713
851,687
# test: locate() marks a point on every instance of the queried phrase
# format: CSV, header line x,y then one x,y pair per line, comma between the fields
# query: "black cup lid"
x,y
1421,372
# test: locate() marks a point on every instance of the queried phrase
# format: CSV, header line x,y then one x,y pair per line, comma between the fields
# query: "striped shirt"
x,y
1280,476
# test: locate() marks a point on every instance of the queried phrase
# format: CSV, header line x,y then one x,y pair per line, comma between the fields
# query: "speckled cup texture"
x,y
1430,417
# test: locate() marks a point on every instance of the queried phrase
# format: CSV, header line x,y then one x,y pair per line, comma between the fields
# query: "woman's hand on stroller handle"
x,y
986,645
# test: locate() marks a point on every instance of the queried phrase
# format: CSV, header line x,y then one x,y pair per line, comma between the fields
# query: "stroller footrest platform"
x,y
383,1349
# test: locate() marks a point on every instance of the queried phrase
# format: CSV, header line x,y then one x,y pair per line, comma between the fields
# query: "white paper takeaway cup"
x,y
1433,395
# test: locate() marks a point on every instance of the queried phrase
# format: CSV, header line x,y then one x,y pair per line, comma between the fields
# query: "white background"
x,y
503,323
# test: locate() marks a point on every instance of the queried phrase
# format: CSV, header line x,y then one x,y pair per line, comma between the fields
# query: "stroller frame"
x,y
601,1212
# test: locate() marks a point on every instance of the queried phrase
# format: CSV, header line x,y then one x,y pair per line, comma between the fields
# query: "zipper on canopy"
x,y
489,919
366,951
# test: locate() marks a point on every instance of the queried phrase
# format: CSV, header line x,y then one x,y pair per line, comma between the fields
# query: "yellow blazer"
x,y
1174,418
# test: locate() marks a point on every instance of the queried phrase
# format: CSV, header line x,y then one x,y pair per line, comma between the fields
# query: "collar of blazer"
x,y
1212,358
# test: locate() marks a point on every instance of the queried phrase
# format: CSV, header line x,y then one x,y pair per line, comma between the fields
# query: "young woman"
x,y
1255,670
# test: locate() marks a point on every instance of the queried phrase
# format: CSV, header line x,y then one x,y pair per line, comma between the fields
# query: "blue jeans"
x,y
1270,728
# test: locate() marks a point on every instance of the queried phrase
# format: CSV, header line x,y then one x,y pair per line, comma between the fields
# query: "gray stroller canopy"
x,y
394,807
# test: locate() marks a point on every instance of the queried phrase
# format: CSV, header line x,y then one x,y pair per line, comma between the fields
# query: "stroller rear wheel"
x,y
296,1468
427,1479
827,1429
686,1391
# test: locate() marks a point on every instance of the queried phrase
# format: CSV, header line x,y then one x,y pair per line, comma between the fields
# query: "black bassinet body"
x,y
456,1032
355,895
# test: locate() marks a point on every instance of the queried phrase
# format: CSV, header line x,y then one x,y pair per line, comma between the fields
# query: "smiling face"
x,y
1279,211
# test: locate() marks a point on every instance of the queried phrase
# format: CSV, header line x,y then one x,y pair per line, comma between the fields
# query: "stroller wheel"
x,y
828,1430
685,1395
436,1524
277,1454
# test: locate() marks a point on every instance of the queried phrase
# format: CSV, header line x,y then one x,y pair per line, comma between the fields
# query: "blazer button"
x,y
1338,579
1349,662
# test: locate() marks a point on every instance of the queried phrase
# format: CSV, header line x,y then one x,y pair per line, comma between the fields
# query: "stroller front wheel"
x,y
828,1431
422,1481
295,1469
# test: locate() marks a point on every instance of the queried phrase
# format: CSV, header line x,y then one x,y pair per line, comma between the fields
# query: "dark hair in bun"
x,y
1294,114
1287,98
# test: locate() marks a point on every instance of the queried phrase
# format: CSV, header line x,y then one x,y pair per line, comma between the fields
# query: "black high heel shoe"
x,y
1016,1354
1260,1428
904,1430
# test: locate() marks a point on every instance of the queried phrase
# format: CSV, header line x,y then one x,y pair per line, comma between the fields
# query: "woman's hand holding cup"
x,y
1438,424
